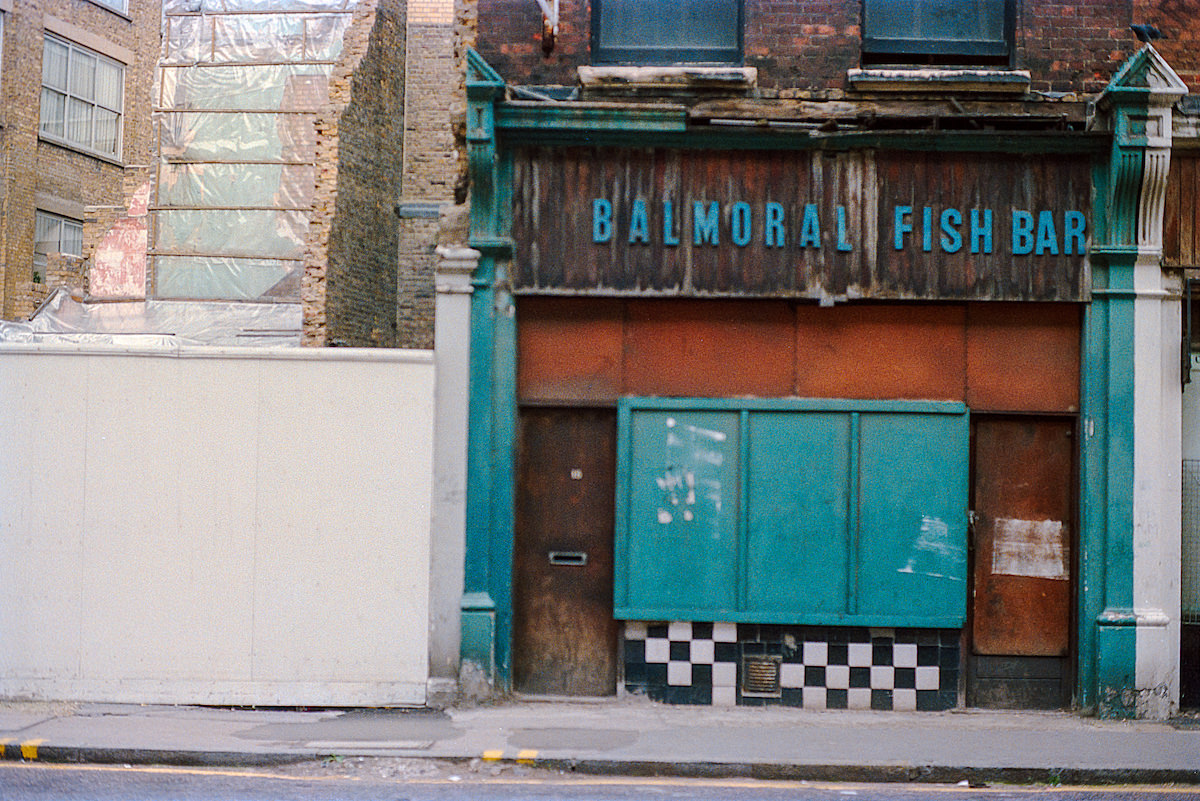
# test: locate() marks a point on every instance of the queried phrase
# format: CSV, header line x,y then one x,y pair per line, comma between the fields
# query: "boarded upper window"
x,y
937,31
667,31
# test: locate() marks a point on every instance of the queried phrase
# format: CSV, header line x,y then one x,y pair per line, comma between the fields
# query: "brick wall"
x,y
1073,46
807,45
350,280
510,39
430,160
61,271
35,170
1180,21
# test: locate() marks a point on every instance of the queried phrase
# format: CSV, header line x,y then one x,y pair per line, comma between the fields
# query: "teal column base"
x,y
479,633
1116,670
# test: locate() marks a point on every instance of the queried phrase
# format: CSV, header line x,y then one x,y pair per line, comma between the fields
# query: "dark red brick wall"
x,y
510,39
1067,45
1073,45
1180,21
802,44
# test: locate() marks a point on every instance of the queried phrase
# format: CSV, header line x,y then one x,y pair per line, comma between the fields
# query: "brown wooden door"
x,y
564,635
1021,610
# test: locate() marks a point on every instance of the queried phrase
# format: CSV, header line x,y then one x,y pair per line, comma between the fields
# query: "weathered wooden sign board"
x,y
860,224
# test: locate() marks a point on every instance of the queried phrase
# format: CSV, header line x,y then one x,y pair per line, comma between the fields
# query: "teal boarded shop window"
x,y
667,31
942,30
817,512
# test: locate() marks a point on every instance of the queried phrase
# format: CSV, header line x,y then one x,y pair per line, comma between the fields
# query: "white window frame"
x,y
119,6
77,57
62,225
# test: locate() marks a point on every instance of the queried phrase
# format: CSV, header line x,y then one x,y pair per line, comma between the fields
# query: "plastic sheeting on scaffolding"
x,y
239,93
157,323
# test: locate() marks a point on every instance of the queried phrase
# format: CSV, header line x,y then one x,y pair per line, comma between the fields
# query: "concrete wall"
x,y
215,526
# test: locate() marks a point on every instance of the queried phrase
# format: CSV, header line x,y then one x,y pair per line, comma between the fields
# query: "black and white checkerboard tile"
x,y
818,667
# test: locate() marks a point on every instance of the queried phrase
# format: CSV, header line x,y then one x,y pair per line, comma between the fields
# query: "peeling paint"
x,y
935,553
691,453
1034,548
118,268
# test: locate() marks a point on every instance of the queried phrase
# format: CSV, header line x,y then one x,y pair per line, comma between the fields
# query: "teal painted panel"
x,y
798,537
682,547
1116,671
820,512
912,548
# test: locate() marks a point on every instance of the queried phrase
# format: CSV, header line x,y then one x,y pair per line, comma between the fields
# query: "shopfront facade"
x,y
807,418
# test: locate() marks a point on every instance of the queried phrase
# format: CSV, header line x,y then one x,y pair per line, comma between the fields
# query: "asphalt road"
x,y
411,780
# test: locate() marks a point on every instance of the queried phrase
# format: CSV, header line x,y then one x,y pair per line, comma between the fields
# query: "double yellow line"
x,y
27,749
524,757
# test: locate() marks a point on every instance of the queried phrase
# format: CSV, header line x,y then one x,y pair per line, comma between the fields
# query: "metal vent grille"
x,y
760,676
1191,540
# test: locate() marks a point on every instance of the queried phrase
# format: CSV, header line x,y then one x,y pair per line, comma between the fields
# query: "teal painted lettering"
x,y
601,220
842,244
705,223
1073,227
670,234
981,231
740,222
1047,237
1022,233
902,226
639,224
810,231
773,235
952,240
927,229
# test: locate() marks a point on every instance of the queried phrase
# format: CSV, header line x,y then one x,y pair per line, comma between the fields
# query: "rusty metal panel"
x,y
564,635
709,348
800,224
569,349
1023,536
881,351
995,356
1023,357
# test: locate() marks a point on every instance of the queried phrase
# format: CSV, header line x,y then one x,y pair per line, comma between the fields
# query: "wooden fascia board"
x,y
791,110
528,132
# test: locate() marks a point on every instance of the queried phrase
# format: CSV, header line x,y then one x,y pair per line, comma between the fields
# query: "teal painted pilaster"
x,y
1126,247
504,425
487,590
1106,644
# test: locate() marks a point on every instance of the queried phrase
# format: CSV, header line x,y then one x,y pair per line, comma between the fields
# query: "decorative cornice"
x,y
1144,78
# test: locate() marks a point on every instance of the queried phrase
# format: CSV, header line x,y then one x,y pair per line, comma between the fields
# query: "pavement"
x,y
628,736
